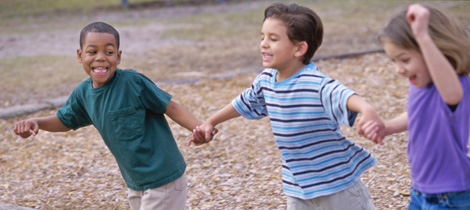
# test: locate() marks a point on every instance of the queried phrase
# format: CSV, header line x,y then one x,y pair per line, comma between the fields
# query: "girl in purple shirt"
x,y
433,52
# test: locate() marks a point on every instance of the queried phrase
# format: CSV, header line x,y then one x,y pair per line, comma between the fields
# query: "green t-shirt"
x,y
128,112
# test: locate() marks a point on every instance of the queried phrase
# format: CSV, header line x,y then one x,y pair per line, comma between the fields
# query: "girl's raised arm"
x,y
443,74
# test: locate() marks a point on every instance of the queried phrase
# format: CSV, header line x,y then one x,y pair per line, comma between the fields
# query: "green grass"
x,y
40,72
217,26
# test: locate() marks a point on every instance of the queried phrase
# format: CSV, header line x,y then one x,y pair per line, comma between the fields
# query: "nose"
x,y
263,44
100,56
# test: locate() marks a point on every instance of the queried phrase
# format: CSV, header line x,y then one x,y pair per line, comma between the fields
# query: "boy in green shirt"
x,y
128,110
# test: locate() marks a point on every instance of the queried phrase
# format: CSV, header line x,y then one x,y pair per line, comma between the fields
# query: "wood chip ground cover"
x,y
240,169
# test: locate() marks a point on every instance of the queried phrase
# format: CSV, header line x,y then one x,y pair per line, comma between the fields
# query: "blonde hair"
x,y
450,37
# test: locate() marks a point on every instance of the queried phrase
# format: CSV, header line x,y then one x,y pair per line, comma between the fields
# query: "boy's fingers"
x,y
380,141
208,136
377,140
35,130
20,127
23,131
16,128
360,130
191,139
197,134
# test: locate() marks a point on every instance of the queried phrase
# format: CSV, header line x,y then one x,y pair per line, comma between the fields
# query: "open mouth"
x,y
266,56
412,79
100,70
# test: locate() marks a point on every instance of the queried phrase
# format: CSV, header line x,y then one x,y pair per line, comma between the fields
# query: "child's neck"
x,y
285,73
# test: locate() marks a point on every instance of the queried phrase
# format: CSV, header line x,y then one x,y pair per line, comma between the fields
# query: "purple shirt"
x,y
438,137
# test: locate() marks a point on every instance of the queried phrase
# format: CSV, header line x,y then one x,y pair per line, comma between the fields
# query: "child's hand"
x,y
200,137
371,126
26,128
372,131
418,17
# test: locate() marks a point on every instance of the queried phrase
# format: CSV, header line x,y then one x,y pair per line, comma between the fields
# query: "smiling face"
x,y
277,50
408,63
100,56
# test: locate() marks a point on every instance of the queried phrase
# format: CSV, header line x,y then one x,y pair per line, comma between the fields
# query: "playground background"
x,y
204,53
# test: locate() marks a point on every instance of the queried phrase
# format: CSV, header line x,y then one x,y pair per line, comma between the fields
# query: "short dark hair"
x,y
98,27
302,23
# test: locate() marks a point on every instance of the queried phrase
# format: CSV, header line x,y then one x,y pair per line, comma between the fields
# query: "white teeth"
x,y
100,69
267,55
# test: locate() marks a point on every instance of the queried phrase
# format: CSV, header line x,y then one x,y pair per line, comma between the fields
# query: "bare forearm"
x,y
397,124
226,113
51,123
443,74
358,104
205,132
182,116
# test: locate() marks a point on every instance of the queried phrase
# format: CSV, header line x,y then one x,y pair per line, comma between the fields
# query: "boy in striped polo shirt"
x,y
320,167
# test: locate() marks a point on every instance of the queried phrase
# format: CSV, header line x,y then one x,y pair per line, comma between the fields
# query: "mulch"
x,y
240,169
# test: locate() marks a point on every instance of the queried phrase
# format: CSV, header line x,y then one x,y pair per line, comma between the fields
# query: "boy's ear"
x,y
301,49
119,56
79,55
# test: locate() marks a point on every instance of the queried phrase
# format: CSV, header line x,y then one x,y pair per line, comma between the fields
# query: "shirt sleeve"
x,y
334,97
73,114
251,104
152,97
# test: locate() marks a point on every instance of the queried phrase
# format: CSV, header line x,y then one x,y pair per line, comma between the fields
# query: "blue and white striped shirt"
x,y
306,111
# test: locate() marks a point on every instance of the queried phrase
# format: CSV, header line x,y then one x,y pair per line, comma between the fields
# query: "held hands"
x,y
372,131
26,128
371,127
202,134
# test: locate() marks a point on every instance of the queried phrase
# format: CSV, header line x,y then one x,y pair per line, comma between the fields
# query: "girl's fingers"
x,y
369,128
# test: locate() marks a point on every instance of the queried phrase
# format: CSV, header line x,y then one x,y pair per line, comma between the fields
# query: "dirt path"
x,y
63,40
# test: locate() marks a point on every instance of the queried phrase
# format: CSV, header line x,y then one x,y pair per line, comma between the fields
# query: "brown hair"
x,y
451,38
302,25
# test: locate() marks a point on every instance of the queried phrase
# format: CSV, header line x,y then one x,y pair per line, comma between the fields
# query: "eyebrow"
x,y
109,44
270,34
396,56
399,55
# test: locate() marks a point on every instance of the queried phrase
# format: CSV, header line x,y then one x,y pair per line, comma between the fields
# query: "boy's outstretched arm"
x,y
358,104
26,128
181,116
203,133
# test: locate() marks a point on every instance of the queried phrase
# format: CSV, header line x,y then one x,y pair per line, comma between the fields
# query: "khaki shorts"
x,y
357,197
171,196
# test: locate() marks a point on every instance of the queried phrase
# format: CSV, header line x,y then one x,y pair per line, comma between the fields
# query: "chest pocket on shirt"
x,y
126,124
